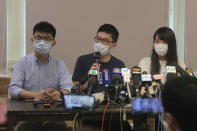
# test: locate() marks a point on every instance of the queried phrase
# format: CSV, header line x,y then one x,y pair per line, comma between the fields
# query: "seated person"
x,y
105,41
164,53
179,101
40,75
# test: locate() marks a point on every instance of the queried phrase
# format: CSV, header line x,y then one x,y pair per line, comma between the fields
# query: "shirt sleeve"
x,y
16,84
65,81
77,74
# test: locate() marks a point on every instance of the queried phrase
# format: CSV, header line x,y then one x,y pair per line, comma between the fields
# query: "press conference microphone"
x,y
116,76
189,71
92,80
146,81
116,79
126,73
171,72
180,70
136,77
106,81
157,79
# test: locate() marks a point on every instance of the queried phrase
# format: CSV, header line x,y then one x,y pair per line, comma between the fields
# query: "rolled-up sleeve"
x,y
17,80
65,81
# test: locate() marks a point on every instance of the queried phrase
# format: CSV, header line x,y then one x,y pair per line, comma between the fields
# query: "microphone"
x,y
116,76
92,80
146,81
157,79
106,81
136,77
180,70
116,80
189,71
171,72
126,73
97,55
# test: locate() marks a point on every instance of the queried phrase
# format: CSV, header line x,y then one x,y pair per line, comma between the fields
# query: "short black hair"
x,y
179,98
45,27
110,29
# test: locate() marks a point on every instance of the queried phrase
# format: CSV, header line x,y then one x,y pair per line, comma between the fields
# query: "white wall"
x,y
190,34
77,21
3,47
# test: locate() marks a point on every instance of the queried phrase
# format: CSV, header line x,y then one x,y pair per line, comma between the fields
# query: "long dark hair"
x,y
166,34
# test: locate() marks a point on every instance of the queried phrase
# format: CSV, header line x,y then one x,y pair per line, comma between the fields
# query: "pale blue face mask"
x,y
42,47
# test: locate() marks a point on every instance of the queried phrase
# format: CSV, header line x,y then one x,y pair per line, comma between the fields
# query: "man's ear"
x,y
54,43
114,45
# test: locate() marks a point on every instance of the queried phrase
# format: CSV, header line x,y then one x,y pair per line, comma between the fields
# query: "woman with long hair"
x,y
164,53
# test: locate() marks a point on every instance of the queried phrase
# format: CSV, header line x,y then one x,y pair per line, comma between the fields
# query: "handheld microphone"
x,y
106,81
97,55
136,77
92,80
126,73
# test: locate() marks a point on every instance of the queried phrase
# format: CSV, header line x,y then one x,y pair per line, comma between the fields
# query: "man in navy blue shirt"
x,y
105,40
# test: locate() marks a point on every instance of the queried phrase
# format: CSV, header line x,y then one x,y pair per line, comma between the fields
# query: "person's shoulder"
x,y
23,59
86,56
145,60
117,60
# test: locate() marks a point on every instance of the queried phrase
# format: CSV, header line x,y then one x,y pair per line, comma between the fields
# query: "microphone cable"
x,y
104,115
74,122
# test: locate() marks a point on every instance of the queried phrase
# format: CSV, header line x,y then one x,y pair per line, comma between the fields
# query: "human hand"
x,y
95,66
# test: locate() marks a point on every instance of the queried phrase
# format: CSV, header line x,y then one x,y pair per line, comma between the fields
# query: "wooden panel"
x,y
4,84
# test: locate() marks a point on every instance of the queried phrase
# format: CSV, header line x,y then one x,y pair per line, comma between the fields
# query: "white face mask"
x,y
161,49
42,47
99,47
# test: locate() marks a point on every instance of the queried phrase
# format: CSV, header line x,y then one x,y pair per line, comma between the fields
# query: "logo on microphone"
x,y
116,70
93,72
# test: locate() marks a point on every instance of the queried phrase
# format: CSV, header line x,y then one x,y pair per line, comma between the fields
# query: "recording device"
x,y
79,102
106,81
92,80
136,77
146,106
126,73
146,82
